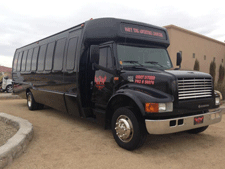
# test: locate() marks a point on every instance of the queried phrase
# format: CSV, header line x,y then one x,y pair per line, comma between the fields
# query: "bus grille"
x,y
194,88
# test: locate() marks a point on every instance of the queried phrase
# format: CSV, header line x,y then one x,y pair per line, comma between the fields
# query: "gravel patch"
x,y
6,132
17,144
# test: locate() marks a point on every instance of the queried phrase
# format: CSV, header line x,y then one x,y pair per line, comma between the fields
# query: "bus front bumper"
x,y
174,125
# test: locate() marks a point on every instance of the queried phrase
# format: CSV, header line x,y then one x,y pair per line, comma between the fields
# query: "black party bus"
x,y
119,74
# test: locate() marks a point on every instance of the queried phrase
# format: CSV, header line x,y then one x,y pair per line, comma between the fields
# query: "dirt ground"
x,y
61,141
6,132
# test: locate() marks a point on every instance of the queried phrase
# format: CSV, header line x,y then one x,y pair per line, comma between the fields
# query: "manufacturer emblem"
x,y
202,106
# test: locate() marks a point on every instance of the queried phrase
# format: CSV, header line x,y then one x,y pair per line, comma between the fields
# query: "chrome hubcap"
x,y
29,100
124,128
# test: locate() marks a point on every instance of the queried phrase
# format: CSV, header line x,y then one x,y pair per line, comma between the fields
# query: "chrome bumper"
x,y
183,123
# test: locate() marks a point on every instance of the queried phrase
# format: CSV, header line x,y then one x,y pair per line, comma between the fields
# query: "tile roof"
x,y
5,69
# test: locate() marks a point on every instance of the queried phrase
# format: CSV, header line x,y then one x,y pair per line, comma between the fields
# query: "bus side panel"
x,y
72,105
48,89
51,99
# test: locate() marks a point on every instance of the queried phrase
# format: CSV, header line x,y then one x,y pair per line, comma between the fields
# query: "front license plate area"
x,y
198,120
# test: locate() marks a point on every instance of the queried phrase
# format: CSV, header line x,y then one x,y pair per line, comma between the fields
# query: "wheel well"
x,y
121,101
27,90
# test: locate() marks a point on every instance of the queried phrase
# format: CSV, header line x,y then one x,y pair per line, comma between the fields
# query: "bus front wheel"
x,y
128,130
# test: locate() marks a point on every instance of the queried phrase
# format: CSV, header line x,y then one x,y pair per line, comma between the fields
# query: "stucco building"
x,y
195,46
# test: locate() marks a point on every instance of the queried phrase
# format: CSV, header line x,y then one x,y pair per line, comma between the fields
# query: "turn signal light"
x,y
152,107
158,107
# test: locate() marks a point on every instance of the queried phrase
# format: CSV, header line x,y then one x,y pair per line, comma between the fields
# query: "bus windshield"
x,y
133,56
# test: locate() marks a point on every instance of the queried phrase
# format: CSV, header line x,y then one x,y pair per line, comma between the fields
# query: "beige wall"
x,y
189,42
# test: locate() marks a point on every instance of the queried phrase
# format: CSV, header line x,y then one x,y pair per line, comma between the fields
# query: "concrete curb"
x,y
4,96
16,145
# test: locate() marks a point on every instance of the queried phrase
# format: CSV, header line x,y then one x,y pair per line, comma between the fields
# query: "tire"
x,y
128,131
31,104
9,89
197,130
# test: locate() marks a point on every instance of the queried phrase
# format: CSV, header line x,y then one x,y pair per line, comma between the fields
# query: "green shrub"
x,y
221,74
212,70
196,65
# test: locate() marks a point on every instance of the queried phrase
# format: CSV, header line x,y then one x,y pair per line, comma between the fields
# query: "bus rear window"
x,y
34,59
70,60
41,57
23,67
49,56
15,62
19,61
59,51
29,57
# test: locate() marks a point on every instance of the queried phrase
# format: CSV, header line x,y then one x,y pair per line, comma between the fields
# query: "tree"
x,y
221,74
212,70
196,65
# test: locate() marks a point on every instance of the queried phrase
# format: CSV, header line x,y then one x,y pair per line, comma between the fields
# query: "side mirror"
x,y
179,59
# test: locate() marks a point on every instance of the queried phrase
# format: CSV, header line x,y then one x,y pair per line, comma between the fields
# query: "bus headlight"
x,y
217,101
158,107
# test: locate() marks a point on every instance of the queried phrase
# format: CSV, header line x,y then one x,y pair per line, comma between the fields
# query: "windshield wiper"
x,y
133,62
154,63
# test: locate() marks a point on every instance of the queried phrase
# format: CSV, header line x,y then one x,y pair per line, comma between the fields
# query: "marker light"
x,y
116,78
158,107
151,107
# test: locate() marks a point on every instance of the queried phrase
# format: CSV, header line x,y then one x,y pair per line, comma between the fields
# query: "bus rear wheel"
x,y
32,104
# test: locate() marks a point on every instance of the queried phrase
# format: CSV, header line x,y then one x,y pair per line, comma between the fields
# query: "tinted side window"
x,y
41,58
59,51
24,61
19,61
15,61
49,56
103,57
34,59
71,54
109,58
29,57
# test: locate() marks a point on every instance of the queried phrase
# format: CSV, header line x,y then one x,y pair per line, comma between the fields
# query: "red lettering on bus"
x,y
144,79
136,30
146,32
157,34
149,82
138,81
127,29
150,77
139,77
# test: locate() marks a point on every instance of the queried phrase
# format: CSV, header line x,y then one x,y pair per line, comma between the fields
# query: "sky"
x,y
23,22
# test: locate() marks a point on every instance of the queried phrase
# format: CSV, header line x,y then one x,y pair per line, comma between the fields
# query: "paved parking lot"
x,y
4,95
62,141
